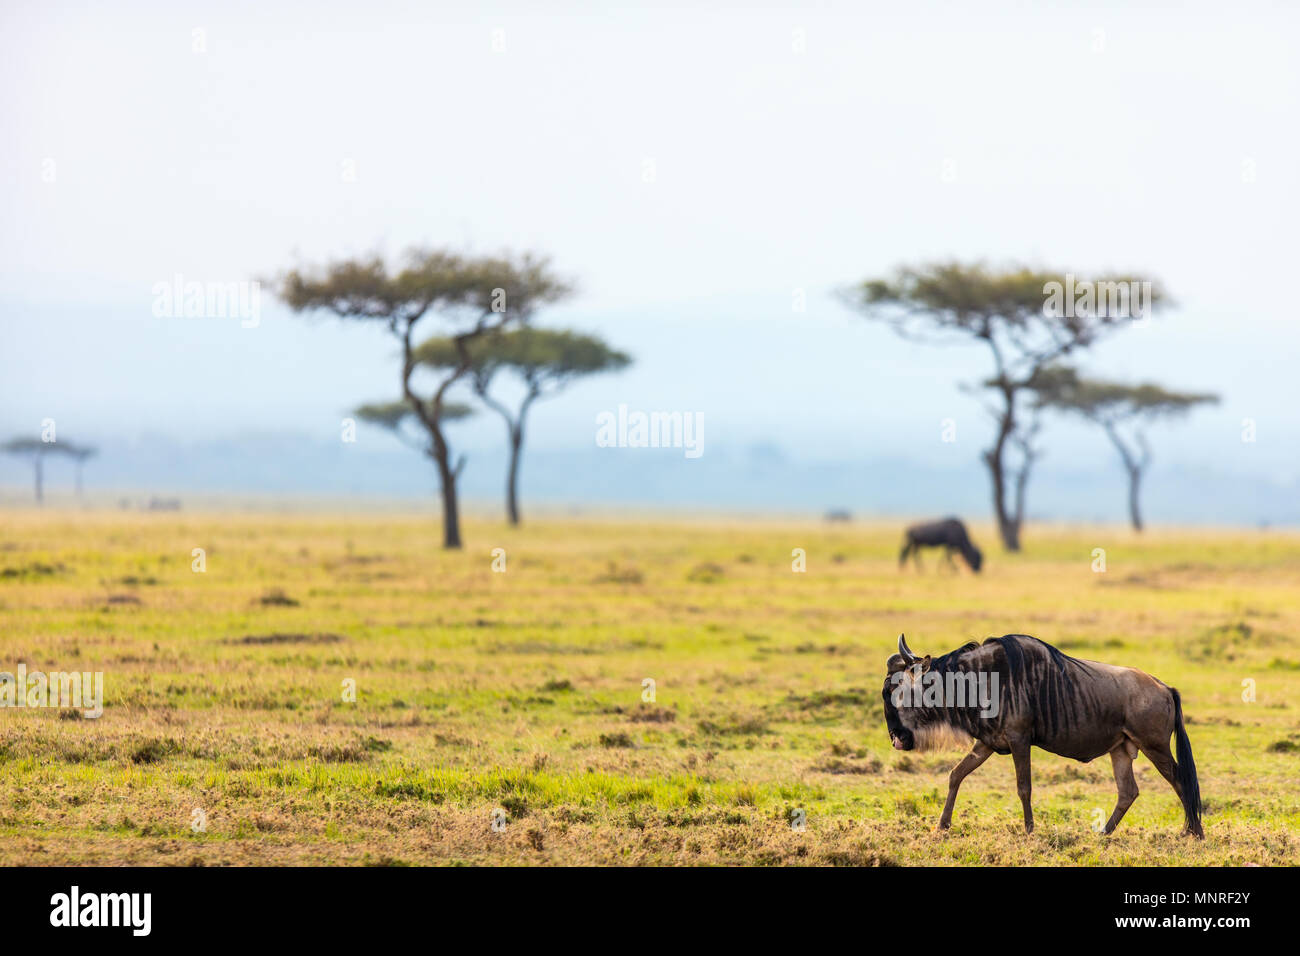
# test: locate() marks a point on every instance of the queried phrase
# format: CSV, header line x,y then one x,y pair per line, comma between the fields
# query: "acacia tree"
x,y
1123,411
35,449
397,417
544,360
474,295
1028,319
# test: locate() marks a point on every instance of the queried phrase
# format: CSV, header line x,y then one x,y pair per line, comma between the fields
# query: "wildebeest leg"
x,y
1121,760
1164,762
902,555
1024,787
979,753
947,553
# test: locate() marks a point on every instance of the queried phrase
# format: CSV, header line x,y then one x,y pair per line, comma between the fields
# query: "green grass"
x,y
499,717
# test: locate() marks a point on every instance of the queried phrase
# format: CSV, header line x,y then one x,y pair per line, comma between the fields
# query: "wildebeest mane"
x,y
947,662
1043,680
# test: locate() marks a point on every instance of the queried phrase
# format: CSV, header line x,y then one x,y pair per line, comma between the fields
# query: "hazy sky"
x,y
690,168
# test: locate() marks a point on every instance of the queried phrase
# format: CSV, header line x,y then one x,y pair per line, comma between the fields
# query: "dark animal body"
x,y
949,534
1075,708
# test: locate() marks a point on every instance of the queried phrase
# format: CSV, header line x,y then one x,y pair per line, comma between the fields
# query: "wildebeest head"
x,y
975,557
902,668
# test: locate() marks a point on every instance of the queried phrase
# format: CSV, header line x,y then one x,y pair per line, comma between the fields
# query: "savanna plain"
x,y
340,690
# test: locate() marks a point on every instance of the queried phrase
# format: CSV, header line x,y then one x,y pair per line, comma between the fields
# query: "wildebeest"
x,y
949,534
1038,697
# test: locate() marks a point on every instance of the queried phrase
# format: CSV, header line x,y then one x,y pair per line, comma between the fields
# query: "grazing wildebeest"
x,y
1031,695
949,534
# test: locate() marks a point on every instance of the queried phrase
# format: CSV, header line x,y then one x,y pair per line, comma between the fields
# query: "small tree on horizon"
x,y
474,295
1027,321
1123,411
545,361
37,449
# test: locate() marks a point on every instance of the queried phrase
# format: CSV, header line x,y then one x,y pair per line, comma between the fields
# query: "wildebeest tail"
x,y
1185,768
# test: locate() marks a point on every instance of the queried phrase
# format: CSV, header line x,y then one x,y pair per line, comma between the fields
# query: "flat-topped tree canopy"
x,y
368,288
516,284
395,416
391,415
28,446
535,354
471,289
24,446
1062,387
36,446
1030,316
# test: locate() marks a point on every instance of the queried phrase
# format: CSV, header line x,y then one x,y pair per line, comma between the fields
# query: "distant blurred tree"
x,y
1123,411
80,455
476,295
1028,319
36,450
544,360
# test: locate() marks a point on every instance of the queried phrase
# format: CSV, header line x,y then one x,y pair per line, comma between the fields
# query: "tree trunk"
x,y
450,510
1134,465
1134,483
1022,480
440,453
1008,524
515,440
40,480
512,476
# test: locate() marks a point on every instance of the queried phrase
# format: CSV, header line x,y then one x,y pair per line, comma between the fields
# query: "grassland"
x,y
518,695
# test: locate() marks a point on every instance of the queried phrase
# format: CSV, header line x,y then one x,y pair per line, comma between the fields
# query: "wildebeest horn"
x,y
905,650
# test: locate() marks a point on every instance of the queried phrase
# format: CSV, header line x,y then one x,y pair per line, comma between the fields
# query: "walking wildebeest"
x,y
949,534
1035,696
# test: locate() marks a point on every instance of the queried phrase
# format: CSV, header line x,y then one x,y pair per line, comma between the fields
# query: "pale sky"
x,y
791,147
